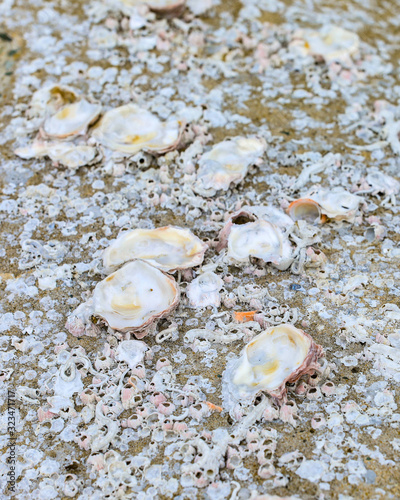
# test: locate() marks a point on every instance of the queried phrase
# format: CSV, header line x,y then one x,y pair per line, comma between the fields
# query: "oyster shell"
x,y
71,120
130,129
245,235
337,204
204,290
66,153
278,355
227,163
167,248
133,297
331,43
49,99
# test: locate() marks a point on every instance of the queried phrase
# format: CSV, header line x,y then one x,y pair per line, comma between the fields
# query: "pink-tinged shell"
x,y
145,328
296,210
309,366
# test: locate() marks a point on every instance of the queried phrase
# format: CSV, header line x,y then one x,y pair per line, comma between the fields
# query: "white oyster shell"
x,y
71,120
131,351
130,129
204,290
332,43
227,163
336,203
279,355
167,248
49,99
66,153
133,297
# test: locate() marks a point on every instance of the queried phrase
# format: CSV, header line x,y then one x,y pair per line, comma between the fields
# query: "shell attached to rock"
x,y
132,298
279,355
245,235
204,290
227,163
167,248
130,129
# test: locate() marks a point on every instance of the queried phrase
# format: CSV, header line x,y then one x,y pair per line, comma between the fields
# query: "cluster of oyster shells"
x,y
64,133
136,295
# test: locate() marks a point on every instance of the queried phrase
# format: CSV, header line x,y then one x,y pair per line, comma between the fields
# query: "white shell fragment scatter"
x,y
133,297
279,355
130,129
204,195
227,163
167,248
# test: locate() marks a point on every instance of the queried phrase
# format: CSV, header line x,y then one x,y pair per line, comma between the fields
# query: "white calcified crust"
x,y
134,297
130,129
332,43
71,120
227,162
337,204
277,356
167,248
254,237
204,290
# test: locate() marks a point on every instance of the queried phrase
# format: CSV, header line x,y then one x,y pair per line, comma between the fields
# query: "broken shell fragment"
x,y
71,120
167,248
135,296
277,356
227,163
130,129
336,203
331,43
204,290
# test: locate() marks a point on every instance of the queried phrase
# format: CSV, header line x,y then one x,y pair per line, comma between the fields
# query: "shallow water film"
x,y
250,348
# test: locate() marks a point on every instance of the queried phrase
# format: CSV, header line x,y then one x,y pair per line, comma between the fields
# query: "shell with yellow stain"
x,y
277,356
134,297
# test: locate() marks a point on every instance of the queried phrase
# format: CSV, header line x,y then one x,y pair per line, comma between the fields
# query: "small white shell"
x,y
332,43
204,290
130,129
131,351
227,163
71,120
279,355
167,248
133,297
